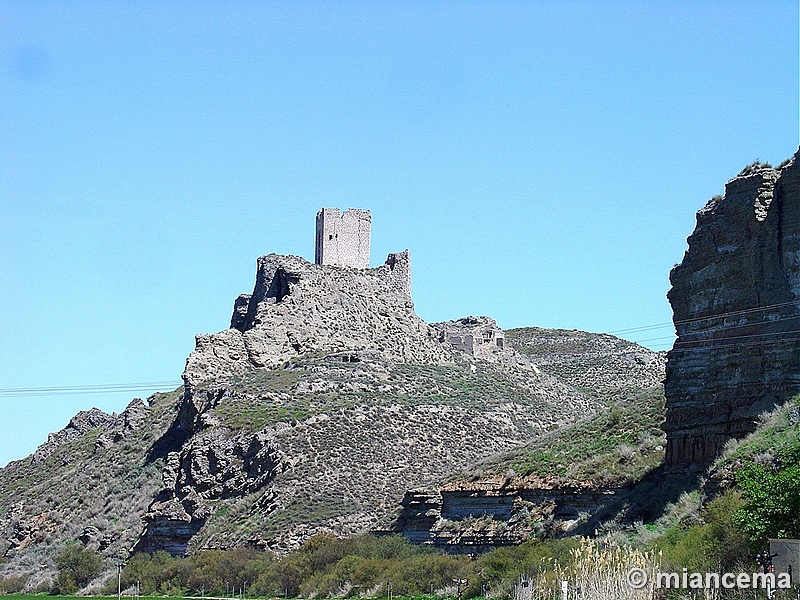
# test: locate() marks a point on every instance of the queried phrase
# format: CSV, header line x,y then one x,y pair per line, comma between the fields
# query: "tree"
x,y
77,566
772,500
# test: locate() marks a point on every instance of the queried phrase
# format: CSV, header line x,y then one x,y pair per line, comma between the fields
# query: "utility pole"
x,y
459,583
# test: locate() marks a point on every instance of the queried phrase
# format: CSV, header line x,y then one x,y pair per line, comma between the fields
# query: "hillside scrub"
x,y
327,566
614,447
709,540
765,468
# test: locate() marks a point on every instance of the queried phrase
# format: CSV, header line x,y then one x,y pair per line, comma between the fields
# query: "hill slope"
x,y
322,426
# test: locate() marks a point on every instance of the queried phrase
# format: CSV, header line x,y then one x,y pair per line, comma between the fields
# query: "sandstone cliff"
x,y
736,304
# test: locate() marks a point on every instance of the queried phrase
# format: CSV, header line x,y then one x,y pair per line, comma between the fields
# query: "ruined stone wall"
x,y
399,264
736,304
342,240
477,336
296,308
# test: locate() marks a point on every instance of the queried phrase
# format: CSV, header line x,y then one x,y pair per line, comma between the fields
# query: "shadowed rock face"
x,y
736,304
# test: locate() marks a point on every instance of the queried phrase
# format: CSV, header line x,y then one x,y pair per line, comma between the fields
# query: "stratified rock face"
x,y
736,304
478,516
297,308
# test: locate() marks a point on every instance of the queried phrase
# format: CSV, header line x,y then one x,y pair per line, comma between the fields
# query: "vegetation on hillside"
x,y
614,447
92,486
719,534
766,468
313,384
77,566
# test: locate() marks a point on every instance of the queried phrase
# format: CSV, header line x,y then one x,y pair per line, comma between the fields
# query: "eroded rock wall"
x,y
297,308
477,516
736,304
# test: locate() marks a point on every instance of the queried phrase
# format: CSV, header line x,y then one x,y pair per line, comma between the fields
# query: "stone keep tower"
x,y
343,239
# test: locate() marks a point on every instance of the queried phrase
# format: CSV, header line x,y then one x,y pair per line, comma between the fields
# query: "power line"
x,y
620,352
711,340
105,388
718,329
679,345
707,317
711,346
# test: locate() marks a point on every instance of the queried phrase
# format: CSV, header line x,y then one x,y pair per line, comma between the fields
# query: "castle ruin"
x,y
478,336
343,238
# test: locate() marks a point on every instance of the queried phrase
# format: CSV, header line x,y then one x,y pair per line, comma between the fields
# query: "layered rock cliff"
x,y
736,303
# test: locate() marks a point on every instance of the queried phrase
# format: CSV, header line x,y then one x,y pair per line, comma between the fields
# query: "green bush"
x,y
77,566
715,541
771,496
13,583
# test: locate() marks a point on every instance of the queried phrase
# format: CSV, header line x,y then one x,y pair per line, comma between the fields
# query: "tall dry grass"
x,y
599,570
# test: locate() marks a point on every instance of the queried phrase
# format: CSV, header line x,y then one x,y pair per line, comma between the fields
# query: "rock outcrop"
x,y
736,304
297,308
476,516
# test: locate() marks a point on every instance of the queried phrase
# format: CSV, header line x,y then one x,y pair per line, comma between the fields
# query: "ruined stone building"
x,y
474,335
343,238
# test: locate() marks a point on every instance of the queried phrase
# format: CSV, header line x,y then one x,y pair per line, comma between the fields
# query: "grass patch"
x,y
614,447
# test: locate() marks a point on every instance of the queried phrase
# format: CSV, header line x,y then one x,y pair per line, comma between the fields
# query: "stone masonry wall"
x,y
342,240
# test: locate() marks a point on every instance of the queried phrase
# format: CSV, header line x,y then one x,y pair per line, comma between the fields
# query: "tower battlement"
x,y
342,239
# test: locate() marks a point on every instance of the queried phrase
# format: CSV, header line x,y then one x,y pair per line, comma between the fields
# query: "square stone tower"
x,y
343,239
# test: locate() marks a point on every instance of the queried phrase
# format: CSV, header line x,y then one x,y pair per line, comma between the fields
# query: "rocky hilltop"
x,y
736,303
326,400
298,308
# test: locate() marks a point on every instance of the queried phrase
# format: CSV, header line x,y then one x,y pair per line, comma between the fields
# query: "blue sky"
x,y
543,161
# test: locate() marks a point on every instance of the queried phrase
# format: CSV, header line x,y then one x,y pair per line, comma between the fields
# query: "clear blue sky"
x,y
543,161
